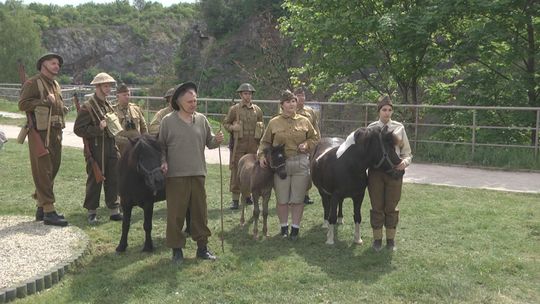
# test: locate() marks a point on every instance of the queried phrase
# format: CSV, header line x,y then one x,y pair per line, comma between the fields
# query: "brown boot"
x,y
377,240
390,237
390,245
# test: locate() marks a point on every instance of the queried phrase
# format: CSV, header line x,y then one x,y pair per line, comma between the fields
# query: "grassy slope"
x,y
455,246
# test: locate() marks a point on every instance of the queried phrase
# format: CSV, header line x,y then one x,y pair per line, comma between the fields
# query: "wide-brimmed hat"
x,y
48,56
102,78
180,89
384,101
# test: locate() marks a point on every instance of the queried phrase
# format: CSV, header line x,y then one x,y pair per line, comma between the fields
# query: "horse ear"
x,y
360,136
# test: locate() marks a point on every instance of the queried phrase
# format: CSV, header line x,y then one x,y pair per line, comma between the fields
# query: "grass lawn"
x,y
454,246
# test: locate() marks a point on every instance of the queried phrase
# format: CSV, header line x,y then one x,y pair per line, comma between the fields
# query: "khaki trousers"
x,y
45,168
384,193
183,193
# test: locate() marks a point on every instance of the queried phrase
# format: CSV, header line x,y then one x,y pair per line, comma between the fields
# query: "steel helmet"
x,y
169,93
103,78
48,56
245,87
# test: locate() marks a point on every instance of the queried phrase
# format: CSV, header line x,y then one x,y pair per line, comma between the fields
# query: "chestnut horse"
x,y
258,182
339,178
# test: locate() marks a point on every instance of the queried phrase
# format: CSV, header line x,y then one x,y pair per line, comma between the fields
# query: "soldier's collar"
x,y
249,106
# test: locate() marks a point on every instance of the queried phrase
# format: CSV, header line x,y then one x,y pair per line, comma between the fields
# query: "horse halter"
x,y
385,157
150,175
270,164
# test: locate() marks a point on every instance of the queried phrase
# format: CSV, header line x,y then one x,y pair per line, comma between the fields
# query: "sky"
x,y
77,2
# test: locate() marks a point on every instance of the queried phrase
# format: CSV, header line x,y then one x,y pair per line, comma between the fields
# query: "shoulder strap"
x,y
41,88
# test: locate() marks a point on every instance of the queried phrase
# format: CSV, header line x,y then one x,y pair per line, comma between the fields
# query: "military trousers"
x,y
109,168
45,168
183,193
384,193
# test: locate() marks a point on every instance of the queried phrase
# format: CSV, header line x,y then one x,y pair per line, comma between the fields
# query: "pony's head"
x,y
275,157
146,156
380,143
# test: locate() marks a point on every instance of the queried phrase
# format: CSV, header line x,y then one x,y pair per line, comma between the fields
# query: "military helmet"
x,y
103,78
169,93
245,87
48,56
123,88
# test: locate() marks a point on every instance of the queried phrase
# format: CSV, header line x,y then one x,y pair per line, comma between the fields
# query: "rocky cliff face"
x,y
115,48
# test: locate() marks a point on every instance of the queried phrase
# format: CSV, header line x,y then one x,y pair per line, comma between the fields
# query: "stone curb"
x,y
45,279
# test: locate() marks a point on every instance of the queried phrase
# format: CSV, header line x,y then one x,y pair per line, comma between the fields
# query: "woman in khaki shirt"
x,y
299,137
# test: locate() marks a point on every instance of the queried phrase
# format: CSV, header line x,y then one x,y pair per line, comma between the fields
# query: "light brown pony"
x,y
258,182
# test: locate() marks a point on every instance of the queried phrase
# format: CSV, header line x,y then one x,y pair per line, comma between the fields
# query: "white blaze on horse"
x,y
341,174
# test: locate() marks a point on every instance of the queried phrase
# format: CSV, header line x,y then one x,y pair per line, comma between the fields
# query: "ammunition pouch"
x,y
259,130
42,117
113,123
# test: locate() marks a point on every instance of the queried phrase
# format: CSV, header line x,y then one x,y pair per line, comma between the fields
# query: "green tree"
x,y
20,38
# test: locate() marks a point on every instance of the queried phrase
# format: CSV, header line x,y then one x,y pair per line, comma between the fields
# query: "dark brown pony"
x,y
141,183
339,178
258,182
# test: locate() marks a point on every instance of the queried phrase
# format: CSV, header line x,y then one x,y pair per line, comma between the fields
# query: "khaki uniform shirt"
x,y
31,97
126,114
153,128
310,114
291,131
403,148
251,119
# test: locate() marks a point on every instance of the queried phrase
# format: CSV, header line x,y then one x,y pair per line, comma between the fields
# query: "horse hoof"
x,y
340,221
329,242
121,249
255,237
325,224
149,250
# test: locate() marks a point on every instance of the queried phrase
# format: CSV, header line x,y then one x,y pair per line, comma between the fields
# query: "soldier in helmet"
x,y
91,124
245,123
41,94
153,128
310,114
130,116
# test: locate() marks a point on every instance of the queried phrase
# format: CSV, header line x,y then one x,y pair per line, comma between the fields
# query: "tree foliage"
x,y
20,38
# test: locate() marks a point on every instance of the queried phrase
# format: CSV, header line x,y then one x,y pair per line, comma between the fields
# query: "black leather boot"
x,y
377,245
284,231
294,233
40,214
52,218
234,205
205,254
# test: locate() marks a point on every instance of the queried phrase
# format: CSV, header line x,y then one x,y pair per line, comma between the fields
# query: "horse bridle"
x,y
151,173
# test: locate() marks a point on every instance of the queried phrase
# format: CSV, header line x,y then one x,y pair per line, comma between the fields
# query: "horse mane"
x,y
135,143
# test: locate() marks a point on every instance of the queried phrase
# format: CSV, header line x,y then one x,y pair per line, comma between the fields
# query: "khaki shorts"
x,y
293,188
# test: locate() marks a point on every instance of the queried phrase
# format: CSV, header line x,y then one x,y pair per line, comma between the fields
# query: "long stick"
x,y
221,195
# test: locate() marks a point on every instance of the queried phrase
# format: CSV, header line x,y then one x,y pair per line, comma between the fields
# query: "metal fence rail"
x,y
339,119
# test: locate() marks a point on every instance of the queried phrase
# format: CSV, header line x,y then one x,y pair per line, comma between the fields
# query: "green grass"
x,y
455,246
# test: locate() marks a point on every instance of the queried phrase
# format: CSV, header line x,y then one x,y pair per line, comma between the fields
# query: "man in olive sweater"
x,y
183,136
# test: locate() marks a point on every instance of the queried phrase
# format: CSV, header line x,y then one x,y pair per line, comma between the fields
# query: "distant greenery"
x,y
455,245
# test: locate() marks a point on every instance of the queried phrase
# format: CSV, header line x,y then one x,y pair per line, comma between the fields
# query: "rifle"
x,y
40,149
87,153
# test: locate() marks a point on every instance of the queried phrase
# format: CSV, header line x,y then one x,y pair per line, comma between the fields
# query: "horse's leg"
x,y
126,221
243,205
340,214
326,207
265,199
148,213
256,211
334,202
357,203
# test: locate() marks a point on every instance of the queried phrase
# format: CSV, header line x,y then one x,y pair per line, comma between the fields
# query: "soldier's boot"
x,y
234,205
390,237
52,218
177,256
377,240
92,217
115,215
307,200
294,233
40,214
205,254
249,201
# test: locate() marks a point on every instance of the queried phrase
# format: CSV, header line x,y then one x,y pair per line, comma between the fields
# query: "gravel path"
x,y
29,248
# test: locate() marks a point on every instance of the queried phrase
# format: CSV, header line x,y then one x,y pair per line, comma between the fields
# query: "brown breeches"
x,y
384,193
45,168
183,193
110,185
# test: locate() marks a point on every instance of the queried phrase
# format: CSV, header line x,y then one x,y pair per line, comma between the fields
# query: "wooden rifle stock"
x,y
87,153
39,149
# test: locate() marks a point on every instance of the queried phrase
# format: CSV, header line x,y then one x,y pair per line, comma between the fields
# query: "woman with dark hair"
x,y
299,137
385,190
